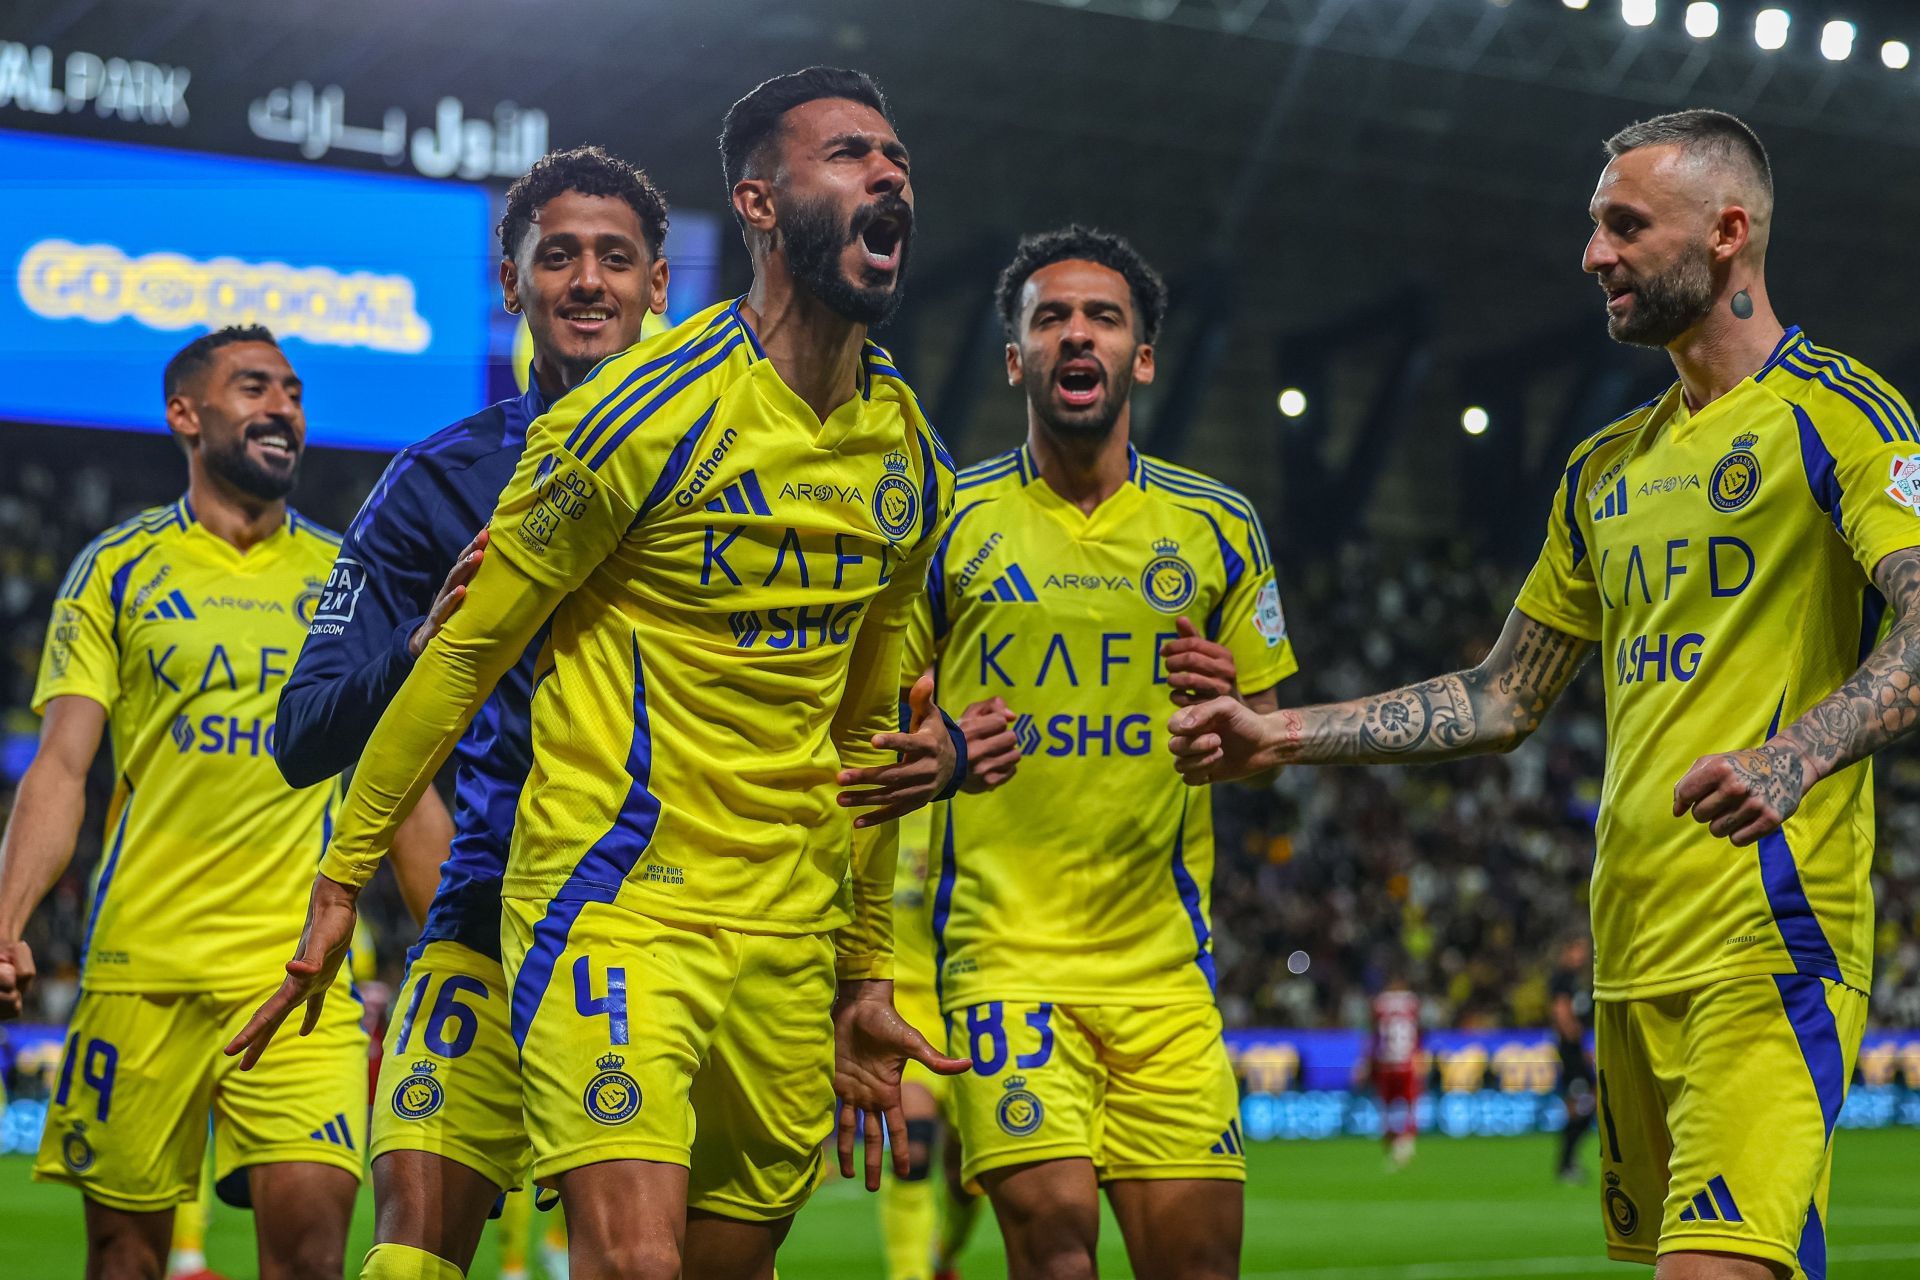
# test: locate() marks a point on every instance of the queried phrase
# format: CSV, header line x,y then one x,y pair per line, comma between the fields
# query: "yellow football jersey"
x,y
1722,560
186,640
722,551
1085,877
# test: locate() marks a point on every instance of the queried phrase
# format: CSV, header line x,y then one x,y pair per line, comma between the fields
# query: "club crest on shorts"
x,y
1019,1112
419,1095
612,1096
895,504
1736,477
1620,1210
1168,582
75,1151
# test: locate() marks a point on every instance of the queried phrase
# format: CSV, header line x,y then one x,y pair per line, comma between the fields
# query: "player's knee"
x,y
919,1150
123,1257
637,1260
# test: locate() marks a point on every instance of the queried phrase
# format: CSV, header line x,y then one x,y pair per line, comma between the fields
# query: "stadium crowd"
x,y
1470,873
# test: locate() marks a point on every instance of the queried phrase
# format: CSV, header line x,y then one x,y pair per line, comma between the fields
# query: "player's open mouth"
x,y
588,319
274,442
1079,382
1617,298
881,240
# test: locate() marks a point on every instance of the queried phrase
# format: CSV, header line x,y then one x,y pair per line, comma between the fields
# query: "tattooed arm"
x,y
1744,795
1492,707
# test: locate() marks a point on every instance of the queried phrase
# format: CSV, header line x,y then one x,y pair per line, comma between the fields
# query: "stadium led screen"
x,y
379,288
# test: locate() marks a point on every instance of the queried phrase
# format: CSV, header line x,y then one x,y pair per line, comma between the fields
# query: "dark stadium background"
x,y
1380,206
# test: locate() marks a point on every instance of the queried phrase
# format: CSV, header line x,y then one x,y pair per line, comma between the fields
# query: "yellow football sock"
x,y
404,1262
907,1213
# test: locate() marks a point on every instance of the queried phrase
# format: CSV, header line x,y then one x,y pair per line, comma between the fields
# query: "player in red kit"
x,y
1393,1059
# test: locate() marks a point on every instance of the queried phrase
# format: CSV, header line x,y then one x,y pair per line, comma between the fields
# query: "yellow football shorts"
x,y
450,1077
921,1009
142,1071
630,1027
1717,1108
1142,1092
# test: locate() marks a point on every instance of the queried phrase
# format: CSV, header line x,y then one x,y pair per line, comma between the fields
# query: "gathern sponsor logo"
x,y
975,562
704,470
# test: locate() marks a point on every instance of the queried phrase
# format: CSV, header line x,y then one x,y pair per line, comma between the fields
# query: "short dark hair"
x,y
1074,242
1716,134
198,354
591,171
754,122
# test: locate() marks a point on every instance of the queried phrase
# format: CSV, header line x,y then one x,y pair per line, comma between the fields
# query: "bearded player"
x,y
173,633
1072,947
727,525
582,257
1733,548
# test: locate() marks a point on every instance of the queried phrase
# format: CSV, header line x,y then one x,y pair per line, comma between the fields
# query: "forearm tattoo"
x,y
1493,706
1880,703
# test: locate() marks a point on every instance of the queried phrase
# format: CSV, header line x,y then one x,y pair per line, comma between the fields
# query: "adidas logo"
x,y
1616,503
741,497
172,605
1011,586
336,1131
1231,1143
1715,1204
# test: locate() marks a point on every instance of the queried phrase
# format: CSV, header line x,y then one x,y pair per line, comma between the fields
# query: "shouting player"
x,y
728,525
174,632
1732,547
1070,909
581,257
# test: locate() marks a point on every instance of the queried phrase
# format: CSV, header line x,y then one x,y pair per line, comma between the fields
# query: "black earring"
x,y
1743,305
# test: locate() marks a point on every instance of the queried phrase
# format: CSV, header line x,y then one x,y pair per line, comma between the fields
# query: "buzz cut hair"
x,y
189,360
590,171
753,124
1077,243
1713,135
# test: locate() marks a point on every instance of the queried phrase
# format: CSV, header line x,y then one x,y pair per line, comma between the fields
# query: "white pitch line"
x,y
1587,1264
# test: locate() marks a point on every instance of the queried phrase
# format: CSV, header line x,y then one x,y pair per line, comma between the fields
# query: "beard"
x,y
814,240
1094,423
1667,305
232,463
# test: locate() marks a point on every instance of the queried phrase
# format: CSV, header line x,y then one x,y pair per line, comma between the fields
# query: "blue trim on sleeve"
x,y
692,375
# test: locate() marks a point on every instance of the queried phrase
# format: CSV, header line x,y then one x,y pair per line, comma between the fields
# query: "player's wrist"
x,y
856,990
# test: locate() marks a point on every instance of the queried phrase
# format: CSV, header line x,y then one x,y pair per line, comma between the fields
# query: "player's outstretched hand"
x,y
871,1045
993,752
16,975
323,945
1743,795
1197,668
452,592
926,764
1218,741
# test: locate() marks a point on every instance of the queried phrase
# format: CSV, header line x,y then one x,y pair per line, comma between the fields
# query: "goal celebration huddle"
x,y
814,802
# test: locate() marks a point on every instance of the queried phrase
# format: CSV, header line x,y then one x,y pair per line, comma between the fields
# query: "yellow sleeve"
x,y
81,655
1869,486
1560,591
454,675
876,676
1252,625
917,649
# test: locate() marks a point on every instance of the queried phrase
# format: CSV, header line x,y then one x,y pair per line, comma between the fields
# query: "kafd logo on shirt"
x,y
1905,489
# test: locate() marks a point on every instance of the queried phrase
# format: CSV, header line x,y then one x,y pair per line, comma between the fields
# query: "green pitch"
x,y
1468,1209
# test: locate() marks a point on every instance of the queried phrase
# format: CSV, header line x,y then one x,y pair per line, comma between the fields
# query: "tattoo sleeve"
x,y
1880,703
1492,707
